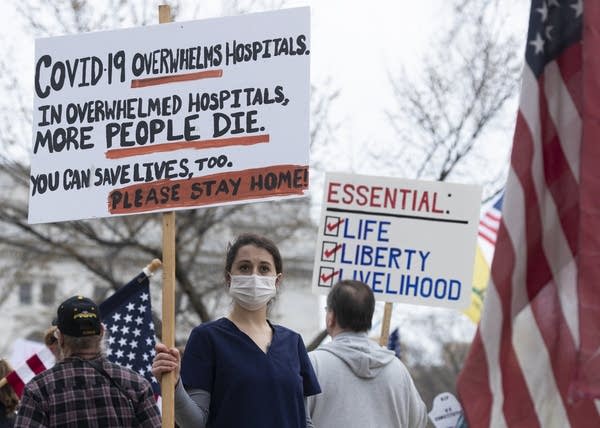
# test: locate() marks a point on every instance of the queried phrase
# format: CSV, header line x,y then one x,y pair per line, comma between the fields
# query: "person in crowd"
x,y
242,370
84,388
363,384
8,399
51,341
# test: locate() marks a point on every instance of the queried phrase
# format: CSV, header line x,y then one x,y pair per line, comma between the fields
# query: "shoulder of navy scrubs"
x,y
248,387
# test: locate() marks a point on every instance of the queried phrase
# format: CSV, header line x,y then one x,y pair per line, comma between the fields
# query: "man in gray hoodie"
x,y
363,384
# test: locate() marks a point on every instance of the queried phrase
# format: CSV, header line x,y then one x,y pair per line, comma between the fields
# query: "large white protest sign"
x,y
171,116
411,241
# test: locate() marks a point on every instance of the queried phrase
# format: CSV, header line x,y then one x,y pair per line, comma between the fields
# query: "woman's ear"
x,y
279,279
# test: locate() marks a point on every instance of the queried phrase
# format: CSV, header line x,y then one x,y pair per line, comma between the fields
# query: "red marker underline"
x,y
153,81
180,145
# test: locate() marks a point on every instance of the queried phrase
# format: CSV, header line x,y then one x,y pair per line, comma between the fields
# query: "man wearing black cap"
x,y
84,389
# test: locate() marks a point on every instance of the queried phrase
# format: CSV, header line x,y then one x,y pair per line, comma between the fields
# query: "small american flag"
x,y
490,221
127,315
534,360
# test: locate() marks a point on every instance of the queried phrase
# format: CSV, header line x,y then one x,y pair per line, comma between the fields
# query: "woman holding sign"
x,y
242,370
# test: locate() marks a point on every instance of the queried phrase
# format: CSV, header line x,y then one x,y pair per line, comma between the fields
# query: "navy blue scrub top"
x,y
248,387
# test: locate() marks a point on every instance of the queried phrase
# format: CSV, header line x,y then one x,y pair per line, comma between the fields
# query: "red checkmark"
x,y
327,278
331,252
332,226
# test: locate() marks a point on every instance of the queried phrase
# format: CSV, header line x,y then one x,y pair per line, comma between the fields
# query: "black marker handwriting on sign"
x,y
51,74
236,52
129,134
236,98
64,139
170,61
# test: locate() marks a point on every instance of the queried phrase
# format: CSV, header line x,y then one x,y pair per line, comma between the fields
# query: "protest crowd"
x,y
239,370
215,113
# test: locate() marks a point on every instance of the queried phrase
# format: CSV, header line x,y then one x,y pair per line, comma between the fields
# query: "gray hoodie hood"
x,y
365,357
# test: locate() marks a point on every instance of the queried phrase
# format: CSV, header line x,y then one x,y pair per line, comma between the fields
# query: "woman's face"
x,y
253,260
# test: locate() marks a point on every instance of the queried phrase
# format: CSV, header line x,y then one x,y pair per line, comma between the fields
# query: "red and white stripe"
x,y
37,363
525,365
489,223
488,227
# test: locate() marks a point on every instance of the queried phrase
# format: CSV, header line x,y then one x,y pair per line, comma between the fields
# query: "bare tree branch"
x,y
461,95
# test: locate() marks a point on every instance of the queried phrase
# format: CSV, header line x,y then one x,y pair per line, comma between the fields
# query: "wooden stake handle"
x,y
385,323
167,384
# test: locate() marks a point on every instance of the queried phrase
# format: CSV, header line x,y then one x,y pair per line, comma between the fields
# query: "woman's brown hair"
x,y
7,396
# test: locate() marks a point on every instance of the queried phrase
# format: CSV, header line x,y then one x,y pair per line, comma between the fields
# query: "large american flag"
x,y
127,315
534,360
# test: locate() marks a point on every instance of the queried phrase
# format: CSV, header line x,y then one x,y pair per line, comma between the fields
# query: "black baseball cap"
x,y
78,316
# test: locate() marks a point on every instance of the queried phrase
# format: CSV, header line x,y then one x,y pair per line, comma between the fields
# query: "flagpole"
x,y
167,384
385,323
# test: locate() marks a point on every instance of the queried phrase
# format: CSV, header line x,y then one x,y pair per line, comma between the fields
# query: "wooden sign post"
x,y
167,385
385,323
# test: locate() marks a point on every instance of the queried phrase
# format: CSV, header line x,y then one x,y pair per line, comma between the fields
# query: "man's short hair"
x,y
353,304
74,344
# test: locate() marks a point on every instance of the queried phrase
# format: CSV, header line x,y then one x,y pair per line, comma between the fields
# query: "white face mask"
x,y
252,292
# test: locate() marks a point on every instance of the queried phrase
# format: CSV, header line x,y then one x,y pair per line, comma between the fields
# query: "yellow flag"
x,y
481,276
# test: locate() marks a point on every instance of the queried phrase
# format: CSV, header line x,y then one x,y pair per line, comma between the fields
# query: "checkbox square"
x,y
333,225
329,251
326,276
